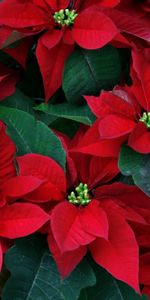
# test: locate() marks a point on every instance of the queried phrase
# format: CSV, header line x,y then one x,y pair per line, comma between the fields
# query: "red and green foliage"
x,y
74,149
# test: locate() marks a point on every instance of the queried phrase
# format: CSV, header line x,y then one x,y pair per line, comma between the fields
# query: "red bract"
x,y
135,6
17,219
21,219
51,175
37,181
65,23
92,143
7,153
132,21
124,112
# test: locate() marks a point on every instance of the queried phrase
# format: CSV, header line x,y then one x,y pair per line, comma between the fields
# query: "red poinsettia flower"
x,y
8,80
77,23
64,23
17,219
124,112
125,201
97,220
88,31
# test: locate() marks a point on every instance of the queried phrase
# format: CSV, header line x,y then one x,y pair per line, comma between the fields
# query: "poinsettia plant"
x,y
74,149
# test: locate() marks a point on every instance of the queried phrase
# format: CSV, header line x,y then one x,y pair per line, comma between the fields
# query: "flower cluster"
x,y
60,170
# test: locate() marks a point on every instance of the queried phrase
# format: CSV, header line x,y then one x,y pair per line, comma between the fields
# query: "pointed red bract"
x,y
92,165
51,65
19,186
21,219
77,226
110,3
7,155
21,15
47,175
141,64
130,21
118,255
129,195
92,143
66,262
93,30
51,39
139,139
117,126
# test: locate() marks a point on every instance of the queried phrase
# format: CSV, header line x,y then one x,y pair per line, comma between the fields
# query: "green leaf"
x,y
20,101
125,179
87,72
4,275
45,118
7,60
78,113
137,165
83,295
68,127
108,288
34,275
31,136
31,83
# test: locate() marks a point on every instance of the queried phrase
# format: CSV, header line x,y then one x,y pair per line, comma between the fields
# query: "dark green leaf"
x,y
20,101
66,126
87,72
125,179
31,83
45,118
7,60
137,165
108,288
31,136
83,295
125,56
34,275
78,113
4,275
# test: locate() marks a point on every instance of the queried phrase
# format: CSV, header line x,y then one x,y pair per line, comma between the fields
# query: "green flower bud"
x,y
81,197
65,17
146,119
